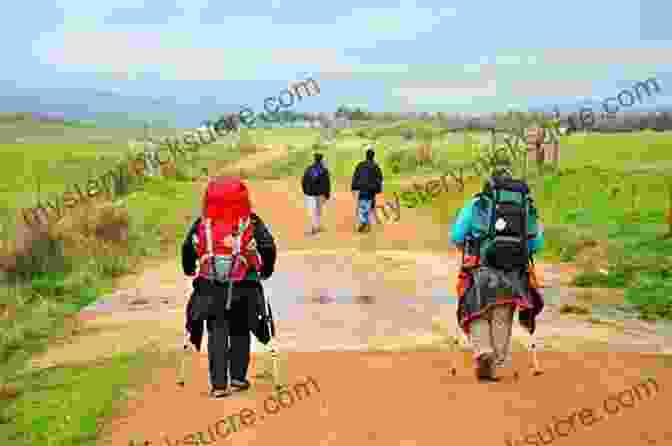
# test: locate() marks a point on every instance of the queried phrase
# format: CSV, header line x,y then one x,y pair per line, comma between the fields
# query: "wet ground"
x,y
329,302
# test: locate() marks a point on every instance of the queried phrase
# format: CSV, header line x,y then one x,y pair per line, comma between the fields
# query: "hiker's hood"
x,y
226,198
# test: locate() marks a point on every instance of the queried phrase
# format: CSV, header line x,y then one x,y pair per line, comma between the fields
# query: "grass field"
x,y
610,196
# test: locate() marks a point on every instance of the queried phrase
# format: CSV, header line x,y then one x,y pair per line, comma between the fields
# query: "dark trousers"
x,y
229,336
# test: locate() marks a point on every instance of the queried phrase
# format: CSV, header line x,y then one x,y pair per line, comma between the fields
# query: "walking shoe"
x,y
485,368
240,384
220,393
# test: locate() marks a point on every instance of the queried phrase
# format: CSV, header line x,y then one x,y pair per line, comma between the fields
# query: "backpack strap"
x,y
208,246
235,256
493,191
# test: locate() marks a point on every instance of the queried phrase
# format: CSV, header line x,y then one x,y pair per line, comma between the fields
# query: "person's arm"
x,y
189,254
379,178
355,178
265,245
537,244
462,226
327,185
304,181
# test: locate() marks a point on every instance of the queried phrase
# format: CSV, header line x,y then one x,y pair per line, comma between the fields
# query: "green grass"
x,y
592,199
45,303
165,204
64,406
611,190
43,309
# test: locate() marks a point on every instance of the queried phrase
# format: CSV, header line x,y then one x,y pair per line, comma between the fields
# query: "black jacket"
x,y
205,302
316,186
368,178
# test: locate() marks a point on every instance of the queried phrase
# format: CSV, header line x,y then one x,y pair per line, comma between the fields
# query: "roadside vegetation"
x,y
51,272
611,219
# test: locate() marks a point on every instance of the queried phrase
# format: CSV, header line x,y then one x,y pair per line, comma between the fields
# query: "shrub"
x,y
401,161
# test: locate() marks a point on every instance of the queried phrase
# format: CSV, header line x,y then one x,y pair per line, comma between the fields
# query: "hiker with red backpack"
x,y
316,185
497,233
234,251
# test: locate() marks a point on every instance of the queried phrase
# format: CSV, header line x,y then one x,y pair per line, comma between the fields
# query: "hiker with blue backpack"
x,y
497,232
316,185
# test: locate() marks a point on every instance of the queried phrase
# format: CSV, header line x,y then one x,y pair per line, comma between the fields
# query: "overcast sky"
x,y
426,55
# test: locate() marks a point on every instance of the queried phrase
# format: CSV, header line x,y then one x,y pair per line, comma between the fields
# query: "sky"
x,y
189,59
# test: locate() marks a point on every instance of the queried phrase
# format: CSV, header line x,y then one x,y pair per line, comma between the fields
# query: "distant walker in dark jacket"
x,y
367,181
316,187
228,330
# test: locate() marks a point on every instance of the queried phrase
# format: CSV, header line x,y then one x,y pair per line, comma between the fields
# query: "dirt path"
x,y
390,290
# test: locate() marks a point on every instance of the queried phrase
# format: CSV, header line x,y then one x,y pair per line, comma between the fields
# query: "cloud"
x,y
448,85
364,27
127,54
186,51
151,12
550,87
607,56
444,95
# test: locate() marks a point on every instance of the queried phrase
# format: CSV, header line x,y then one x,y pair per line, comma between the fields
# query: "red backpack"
x,y
225,235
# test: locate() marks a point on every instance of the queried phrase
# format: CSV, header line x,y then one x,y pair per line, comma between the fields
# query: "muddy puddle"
x,y
345,301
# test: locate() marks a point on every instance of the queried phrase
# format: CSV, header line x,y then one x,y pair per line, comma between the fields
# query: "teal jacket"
x,y
463,227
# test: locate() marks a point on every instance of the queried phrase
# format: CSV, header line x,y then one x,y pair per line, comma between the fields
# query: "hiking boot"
x,y
220,393
485,368
240,384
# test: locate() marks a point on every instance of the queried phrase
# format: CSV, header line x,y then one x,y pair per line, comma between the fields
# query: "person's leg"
x,y
310,206
480,337
318,213
218,356
239,319
364,212
502,324
374,216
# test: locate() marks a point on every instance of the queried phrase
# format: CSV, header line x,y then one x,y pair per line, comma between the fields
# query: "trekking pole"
x,y
455,349
181,372
229,353
536,370
272,348
183,359
533,343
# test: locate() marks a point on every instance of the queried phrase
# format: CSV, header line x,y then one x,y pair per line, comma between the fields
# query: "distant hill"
x,y
25,129
109,109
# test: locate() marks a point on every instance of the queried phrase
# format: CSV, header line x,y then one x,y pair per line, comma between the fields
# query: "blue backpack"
x,y
316,171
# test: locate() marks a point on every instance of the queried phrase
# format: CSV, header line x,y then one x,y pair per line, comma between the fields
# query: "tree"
x,y
343,111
